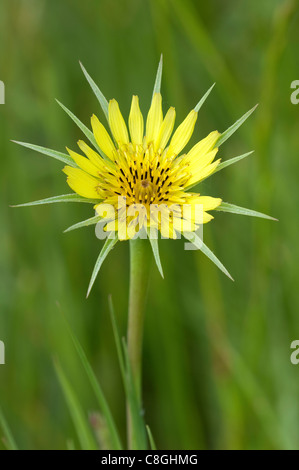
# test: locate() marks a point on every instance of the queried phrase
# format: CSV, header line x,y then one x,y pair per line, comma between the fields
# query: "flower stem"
x,y
139,276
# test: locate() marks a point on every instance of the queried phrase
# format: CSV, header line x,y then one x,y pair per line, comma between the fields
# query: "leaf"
x,y
150,438
226,207
102,100
104,407
155,247
63,157
226,134
91,221
139,441
193,238
138,427
108,245
83,430
231,161
157,86
203,99
9,439
62,198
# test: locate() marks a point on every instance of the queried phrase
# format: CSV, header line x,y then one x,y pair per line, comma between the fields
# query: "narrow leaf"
x,y
84,223
63,157
139,441
104,407
83,430
138,428
101,98
150,438
117,340
109,244
231,161
193,238
226,134
157,86
155,247
9,440
63,198
203,99
226,207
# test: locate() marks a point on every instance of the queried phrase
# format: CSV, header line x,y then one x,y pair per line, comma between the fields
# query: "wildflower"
x,y
138,178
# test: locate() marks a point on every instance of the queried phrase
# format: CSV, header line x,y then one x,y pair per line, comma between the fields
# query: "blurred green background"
x,y
217,370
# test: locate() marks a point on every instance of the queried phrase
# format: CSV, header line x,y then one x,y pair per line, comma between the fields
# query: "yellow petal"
x,y
166,129
82,183
203,173
154,119
117,124
84,163
183,134
93,156
102,137
203,146
208,202
136,122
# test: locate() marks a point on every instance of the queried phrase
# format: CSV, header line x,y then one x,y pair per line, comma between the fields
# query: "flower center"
x,y
145,183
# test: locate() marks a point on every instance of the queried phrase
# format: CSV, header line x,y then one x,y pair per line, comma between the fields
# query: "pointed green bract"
x,y
85,223
227,207
108,245
81,424
155,247
63,157
62,198
9,439
231,161
193,238
157,86
104,407
84,129
203,99
101,98
226,134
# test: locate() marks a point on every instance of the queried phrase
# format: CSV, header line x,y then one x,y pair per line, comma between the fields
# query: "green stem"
x,y
139,276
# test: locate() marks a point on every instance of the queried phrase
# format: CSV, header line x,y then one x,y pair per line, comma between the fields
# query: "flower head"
x,y
139,179
145,175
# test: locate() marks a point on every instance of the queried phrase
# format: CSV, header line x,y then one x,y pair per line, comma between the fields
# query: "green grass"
x,y
217,370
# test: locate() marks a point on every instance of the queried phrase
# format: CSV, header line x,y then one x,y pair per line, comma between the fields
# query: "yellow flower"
x,y
145,176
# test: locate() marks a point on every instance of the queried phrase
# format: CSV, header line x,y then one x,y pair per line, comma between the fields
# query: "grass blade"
x,y
62,198
104,407
193,238
230,131
150,438
139,441
9,440
63,157
108,245
101,98
157,86
138,427
203,99
83,430
226,207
